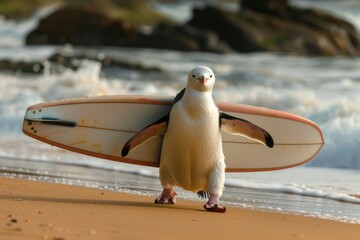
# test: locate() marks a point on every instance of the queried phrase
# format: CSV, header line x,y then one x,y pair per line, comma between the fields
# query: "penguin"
x,y
192,157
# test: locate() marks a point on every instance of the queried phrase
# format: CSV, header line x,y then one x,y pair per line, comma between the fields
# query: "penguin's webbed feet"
x,y
213,204
166,197
214,207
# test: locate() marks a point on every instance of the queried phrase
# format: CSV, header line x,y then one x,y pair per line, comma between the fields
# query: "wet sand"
x,y
37,210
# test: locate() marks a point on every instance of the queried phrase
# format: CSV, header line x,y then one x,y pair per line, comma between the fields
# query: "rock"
x,y
20,67
183,38
275,26
228,26
81,27
317,32
261,25
264,5
84,27
73,62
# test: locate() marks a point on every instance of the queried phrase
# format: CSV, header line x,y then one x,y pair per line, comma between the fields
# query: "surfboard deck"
x,y
100,126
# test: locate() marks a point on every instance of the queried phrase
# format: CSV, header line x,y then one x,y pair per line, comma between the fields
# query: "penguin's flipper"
x,y
238,126
154,129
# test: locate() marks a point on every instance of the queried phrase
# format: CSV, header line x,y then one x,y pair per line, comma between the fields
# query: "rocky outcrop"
x,y
69,61
307,31
85,27
73,61
183,38
275,26
229,27
81,27
19,67
261,25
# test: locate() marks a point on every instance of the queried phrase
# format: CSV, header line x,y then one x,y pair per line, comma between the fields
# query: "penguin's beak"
x,y
202,79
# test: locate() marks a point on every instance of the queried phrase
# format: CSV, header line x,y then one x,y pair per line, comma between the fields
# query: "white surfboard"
x,y
100,126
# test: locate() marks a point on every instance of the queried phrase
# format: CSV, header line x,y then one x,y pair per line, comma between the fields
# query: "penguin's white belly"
x,y
191,150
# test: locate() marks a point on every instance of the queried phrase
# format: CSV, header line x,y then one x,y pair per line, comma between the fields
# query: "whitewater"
x,y
324,90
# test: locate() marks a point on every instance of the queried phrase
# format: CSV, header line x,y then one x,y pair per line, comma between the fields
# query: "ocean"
x,y
325,90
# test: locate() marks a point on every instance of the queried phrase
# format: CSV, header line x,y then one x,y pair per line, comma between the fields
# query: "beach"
x,y
39,210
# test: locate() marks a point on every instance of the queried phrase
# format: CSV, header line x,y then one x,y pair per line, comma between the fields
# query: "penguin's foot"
x,y
213,204
214,207
166,197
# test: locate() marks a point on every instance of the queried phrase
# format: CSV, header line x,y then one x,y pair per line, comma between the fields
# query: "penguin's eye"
x,y
193,76
210,76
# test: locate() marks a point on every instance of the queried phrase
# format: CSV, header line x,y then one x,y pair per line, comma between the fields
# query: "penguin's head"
x,y
201,78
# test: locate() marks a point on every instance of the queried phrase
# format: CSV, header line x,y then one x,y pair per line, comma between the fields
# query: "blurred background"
x,y
299,56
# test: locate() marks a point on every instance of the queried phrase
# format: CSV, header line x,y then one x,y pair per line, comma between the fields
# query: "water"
x,y
325,90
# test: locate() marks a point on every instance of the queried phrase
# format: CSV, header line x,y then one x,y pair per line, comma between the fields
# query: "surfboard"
x,y
100,126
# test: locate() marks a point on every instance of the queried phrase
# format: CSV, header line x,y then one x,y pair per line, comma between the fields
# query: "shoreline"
x,y
40,210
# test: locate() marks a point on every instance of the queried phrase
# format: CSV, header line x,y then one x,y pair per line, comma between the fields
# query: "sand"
x,y
38,210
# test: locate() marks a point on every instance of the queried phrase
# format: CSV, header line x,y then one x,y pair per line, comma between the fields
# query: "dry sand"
x,y
37,210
